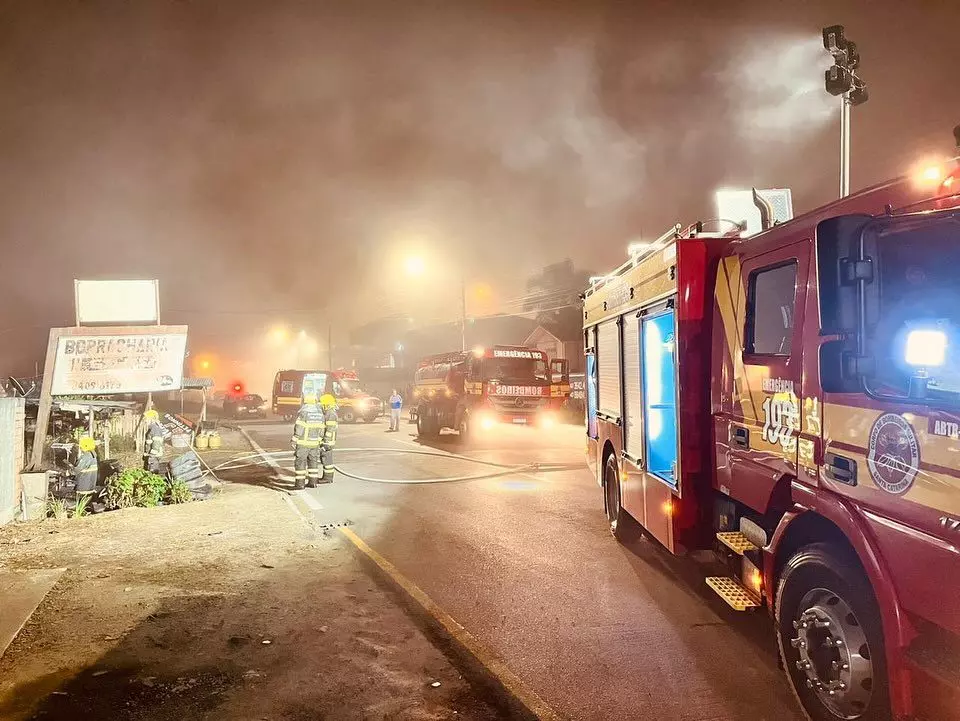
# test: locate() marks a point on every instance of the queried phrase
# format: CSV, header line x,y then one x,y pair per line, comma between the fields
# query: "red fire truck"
x,y
474,390
792,400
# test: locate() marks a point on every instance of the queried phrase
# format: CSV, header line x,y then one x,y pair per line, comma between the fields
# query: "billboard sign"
x,y
126,360
118,302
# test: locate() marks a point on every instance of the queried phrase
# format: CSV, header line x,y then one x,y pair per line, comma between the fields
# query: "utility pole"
x,y
841,80
463,312
330,345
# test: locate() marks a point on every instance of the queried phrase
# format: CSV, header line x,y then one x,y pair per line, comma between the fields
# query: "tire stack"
x,y
187,468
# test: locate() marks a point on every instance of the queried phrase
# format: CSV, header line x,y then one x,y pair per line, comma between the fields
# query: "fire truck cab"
x,y
472,391
792,400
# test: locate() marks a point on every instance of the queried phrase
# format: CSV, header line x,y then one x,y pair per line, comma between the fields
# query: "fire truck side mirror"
x,y
840,270
560,370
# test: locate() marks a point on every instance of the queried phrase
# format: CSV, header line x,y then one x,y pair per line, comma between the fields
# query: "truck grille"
x,y
517,404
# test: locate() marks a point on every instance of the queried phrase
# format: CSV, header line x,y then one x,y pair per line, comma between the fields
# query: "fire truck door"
x,y
764,417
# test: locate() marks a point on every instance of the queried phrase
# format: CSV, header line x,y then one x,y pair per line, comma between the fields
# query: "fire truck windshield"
x,y
916,335
518,370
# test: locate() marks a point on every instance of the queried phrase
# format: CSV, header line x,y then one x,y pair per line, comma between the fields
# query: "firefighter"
x,y
307,436
153,441
329,405
85,469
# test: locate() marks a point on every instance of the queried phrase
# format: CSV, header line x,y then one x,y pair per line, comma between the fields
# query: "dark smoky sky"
x,y
273,161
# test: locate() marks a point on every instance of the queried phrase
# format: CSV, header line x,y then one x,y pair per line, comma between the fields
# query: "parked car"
x,y
249,405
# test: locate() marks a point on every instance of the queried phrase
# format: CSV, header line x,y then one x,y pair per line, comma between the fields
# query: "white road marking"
x,y
309,499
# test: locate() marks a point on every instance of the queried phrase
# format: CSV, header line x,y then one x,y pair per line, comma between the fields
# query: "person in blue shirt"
x,y
396,403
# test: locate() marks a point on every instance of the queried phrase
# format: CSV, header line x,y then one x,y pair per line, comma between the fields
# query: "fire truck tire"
x,y
427,426
623,527
831,638
465,428
347,415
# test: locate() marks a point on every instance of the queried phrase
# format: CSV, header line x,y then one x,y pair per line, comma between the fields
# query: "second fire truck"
x,y
472,391
792,399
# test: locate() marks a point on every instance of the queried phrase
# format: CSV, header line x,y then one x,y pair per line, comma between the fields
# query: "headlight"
x,y
926,348
362,405
547,420
486,421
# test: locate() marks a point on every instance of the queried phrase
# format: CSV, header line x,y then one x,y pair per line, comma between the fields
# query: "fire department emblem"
x,y
894,453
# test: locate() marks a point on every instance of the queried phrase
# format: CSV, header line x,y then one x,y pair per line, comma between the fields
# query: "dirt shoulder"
x,y
232,608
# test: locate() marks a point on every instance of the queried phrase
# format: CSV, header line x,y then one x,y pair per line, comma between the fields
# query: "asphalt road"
x,y
526,564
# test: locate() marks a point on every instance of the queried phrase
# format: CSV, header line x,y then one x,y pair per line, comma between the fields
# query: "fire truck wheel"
x,y
831,638
347,415
465,428
427,426
622,526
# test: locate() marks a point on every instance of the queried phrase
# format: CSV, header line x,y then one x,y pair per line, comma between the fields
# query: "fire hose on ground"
x,y
504,469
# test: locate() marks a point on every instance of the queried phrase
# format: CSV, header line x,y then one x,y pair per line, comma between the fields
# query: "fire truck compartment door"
x,y
608,368
660,396
632,389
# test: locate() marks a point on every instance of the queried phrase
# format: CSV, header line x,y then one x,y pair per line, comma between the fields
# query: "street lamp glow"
x,y
279,334
415,266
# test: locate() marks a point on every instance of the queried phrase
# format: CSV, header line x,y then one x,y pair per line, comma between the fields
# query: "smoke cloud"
x,y
273,162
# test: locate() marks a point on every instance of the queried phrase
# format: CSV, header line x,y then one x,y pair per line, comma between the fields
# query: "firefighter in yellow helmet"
x,y
153,441
329,405
307,436
85,469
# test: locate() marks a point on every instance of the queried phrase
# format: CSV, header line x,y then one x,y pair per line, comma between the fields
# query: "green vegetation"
x,y
134,487
56,508
179,492
137,487
80,509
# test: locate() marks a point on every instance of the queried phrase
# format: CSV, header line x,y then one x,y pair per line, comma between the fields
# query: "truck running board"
x,y
736,542
736,596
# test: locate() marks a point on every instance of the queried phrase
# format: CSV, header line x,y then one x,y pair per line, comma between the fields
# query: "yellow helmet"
x,y
310,399
327,401
87,443
151,415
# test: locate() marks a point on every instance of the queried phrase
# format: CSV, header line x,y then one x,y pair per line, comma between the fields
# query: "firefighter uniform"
x,y
307,437
153,441
86,468
329,405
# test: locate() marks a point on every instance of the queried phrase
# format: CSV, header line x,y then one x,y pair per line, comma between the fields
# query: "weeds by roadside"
x,y
133,487
56,508
179,492
80,509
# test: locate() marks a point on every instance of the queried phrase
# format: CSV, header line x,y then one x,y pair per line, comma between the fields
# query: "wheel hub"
x,y
834,655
